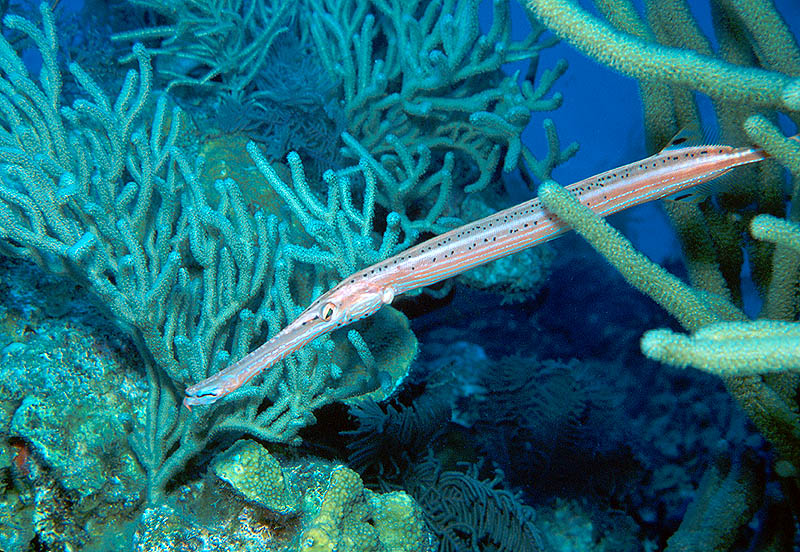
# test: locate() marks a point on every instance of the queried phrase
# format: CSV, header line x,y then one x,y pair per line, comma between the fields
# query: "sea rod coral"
x,y
751,77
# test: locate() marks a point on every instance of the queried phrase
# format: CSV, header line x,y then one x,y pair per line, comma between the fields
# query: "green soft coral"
x,y
729,348
425,77
646,60
752,226
103,191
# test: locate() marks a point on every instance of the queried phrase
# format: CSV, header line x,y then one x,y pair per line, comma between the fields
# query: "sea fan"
x,y
538,417
467,513
390,436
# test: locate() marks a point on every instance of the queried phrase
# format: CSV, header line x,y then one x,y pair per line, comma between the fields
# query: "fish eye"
x,y
328,310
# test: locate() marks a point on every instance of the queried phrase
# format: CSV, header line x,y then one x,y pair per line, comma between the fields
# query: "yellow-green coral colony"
x,y
256,475
332,509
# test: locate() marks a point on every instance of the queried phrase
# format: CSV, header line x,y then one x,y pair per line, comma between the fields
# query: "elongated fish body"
x,y
673,172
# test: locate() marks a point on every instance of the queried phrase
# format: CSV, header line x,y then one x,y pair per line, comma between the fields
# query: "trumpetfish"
x,y
680,171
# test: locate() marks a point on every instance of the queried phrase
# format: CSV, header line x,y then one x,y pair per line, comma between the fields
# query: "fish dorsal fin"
x,y
691,135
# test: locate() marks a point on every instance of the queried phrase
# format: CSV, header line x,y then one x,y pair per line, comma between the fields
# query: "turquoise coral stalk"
x,y
101,191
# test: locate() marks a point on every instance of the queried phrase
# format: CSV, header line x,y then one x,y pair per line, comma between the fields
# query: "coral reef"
x,y
750,77
188,280
253,472
200,243
401,447
310,505
65,419
199,235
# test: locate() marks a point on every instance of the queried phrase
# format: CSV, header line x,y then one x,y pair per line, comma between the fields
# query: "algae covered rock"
x,y
16,525
73,406
167,528
162,528
69,399
91,457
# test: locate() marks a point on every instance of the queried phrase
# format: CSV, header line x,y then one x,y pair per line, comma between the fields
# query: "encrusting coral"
x,y
306,505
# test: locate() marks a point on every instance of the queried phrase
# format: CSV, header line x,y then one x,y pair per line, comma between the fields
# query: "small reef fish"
x,y
680,171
